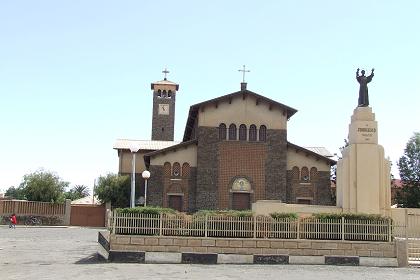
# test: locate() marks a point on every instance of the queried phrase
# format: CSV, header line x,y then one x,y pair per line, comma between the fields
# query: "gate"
x,y
413,234
88,215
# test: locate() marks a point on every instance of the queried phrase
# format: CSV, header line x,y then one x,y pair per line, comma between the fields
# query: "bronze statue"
x,y
363,91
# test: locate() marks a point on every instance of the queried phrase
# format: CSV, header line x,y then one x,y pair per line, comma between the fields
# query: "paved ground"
x,y
69,253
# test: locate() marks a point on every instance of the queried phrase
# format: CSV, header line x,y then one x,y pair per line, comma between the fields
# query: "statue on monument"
x,y
363,91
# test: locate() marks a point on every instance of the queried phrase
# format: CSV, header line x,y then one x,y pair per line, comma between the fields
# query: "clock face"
x,y
163,109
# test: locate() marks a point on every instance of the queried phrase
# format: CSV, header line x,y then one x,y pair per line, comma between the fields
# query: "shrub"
x,y
226,213
284,215
350,216
146,210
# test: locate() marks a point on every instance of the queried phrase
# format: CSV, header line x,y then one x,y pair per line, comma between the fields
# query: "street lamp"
x,y
145,175
133,149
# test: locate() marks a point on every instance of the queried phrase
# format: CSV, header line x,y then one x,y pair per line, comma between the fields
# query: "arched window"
x,y
242,132
232,132
169,93
263,133
185,170
314,174
167,169
252,133
304,174
164,93
295,173
222,131
176,169
159,94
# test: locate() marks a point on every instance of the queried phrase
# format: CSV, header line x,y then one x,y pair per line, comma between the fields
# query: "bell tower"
x,y
163,119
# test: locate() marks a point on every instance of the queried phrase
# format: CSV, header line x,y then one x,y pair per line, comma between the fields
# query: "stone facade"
x,y
163,184
207,168
317,188
155,186
163,125
276,164
324,195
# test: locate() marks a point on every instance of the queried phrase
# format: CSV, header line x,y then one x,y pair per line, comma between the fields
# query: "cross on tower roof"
x,y
243,73
165,72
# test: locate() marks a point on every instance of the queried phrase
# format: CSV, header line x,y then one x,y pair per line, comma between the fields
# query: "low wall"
x,y
152,249
265,207
252,246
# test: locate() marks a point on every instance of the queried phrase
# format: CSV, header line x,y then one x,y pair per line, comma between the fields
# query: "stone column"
x,y
67,212
363,174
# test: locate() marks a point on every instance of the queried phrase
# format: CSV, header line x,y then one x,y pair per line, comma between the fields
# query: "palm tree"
x,y
78,191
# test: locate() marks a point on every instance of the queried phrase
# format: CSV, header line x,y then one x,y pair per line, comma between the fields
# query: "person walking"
x,y
13,221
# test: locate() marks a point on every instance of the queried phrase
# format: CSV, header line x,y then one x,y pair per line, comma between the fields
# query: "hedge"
x,y
284,215
226,213
146,210
350,216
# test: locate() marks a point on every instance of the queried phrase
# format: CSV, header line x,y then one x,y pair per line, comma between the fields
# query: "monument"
x,y
363,173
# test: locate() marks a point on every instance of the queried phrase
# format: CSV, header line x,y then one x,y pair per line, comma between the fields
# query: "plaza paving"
x,y
70,253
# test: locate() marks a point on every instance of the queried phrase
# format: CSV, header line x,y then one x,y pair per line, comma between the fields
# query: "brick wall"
x,y
241,159
318,187
160,185
252,246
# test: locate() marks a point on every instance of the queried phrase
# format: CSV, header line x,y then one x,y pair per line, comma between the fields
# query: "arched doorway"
x,y
175,196
241,194
175,202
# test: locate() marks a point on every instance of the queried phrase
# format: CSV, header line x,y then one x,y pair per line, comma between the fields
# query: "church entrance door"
x,y
240,201
175,202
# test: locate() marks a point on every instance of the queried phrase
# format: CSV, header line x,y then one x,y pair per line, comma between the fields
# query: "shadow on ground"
x,y
95,258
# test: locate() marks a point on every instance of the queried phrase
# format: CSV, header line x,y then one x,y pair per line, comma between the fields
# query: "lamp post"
x,y
133,150
145,175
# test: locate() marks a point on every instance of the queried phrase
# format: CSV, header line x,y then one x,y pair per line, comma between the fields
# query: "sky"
x,y
75,75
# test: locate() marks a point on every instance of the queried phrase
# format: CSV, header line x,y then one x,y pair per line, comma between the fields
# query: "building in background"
x,y
234,152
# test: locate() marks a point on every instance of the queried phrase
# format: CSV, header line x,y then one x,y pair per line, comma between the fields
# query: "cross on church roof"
x,y
165,72
243,73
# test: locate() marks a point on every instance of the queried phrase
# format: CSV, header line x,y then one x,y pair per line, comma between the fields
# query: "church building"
x,y
234,152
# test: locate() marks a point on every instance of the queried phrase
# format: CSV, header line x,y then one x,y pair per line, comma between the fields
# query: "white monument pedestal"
x,y
363,174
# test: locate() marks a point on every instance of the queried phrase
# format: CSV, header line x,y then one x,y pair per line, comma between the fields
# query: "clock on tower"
x,y
163,109
163,119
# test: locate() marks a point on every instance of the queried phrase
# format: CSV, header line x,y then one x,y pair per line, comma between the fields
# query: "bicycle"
x,y
33,221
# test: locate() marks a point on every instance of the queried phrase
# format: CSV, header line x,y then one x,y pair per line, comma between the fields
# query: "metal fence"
x,y
250,227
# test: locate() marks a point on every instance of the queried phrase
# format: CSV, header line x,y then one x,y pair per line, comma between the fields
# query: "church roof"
x,y
320,150
317,152
165,82
171,148
194,108
151,145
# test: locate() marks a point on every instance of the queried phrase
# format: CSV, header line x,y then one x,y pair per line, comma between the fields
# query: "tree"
x,y
43,186
15,193
78,191
409,166
115,189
